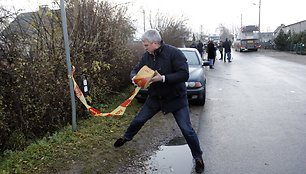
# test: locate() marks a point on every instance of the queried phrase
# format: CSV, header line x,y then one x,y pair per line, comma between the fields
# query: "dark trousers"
x,y
181,117
201,53
228,55
221,53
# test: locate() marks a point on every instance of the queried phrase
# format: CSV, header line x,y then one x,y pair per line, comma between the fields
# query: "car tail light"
x,y
198,85
193,84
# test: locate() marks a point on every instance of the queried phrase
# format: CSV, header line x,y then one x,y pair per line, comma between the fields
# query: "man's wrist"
x,y
134,81
163,78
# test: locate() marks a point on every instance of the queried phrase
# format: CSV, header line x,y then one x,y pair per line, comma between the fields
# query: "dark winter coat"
x,y
211,50
227,46
172,63
200,47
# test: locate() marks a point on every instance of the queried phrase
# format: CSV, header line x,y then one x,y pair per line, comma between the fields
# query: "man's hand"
x,y
134,82
156,78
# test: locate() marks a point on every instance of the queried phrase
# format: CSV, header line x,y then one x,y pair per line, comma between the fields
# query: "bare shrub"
x,y
35,96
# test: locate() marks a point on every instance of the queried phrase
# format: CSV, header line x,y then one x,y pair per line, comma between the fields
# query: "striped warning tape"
x,y
142,79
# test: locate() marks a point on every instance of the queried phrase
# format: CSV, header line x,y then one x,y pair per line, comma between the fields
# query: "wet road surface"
x,y
255,115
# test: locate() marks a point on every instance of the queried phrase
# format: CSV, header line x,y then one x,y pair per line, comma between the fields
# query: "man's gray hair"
x,y
151,36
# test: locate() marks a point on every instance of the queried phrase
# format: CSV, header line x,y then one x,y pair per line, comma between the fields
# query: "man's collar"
x,y
159,49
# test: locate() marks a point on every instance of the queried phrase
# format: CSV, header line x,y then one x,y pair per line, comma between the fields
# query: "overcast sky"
x,y
206,13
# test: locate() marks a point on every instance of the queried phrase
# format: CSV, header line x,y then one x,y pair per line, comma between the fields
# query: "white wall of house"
x,y
296,27
266,36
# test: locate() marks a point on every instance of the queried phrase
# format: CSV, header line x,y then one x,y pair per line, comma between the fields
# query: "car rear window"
x,y
192,57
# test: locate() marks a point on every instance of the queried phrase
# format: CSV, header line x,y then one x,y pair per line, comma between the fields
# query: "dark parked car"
x,y
196,84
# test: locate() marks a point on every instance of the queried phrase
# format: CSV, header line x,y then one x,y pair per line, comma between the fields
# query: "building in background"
x,y
266,39
294,28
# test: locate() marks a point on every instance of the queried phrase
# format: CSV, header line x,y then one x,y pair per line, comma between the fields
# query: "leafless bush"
x,y
34,96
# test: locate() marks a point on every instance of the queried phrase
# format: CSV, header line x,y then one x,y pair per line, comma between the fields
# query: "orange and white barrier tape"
x,y
142,79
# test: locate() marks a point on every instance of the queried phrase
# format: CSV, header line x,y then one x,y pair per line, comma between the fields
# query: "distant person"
x,y
216,48
211,53
167,92
200,48
227,50
193,45
220,48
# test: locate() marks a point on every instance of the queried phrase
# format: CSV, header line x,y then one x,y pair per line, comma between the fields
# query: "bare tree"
x,y
224,33
4,16
173,30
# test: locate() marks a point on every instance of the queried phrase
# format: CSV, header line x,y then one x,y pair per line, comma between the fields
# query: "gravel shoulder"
x,y
286,56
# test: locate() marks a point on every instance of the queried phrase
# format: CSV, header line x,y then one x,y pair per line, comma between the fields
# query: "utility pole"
x,y
241,21
259,6
201,33
68,61
144,20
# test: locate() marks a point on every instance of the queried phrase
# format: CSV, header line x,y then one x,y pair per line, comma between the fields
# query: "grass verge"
x,y
87,150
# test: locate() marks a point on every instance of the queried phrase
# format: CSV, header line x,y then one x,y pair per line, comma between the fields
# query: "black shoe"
x,y
200,166
211,67
229,61
120,142
220,59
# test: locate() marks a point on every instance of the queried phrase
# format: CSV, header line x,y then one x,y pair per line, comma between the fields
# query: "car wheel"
x,y
201,101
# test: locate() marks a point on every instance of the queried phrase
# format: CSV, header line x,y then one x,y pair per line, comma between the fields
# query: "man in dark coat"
x,y
211,54
167,92
227,50
220,48
200,48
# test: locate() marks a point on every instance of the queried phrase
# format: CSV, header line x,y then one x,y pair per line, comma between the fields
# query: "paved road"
x,y
254,117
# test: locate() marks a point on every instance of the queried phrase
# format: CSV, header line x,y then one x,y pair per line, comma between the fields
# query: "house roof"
x,y
279,28
23,23
20,24
296,23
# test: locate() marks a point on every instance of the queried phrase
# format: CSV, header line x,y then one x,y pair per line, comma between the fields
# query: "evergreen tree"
x,y
281,41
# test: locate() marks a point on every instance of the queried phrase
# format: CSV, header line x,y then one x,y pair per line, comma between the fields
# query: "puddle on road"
x,y
174,157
